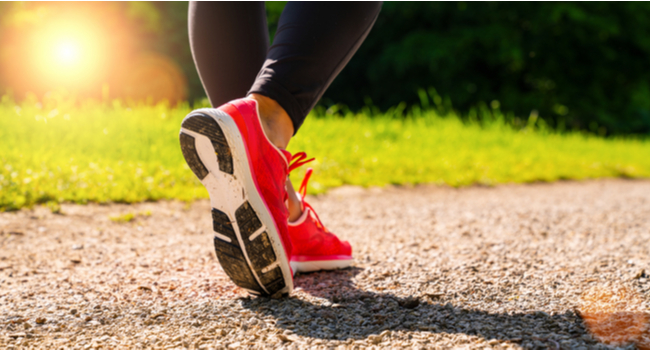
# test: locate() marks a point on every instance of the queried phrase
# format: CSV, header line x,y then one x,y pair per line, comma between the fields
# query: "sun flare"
x,y
68,54
86,50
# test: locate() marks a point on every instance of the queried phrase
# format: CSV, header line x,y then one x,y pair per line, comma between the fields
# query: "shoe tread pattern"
x,y
188,148
209,127
230,254
260,250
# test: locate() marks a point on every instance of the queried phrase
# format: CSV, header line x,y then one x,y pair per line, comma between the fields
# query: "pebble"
x,y
503,267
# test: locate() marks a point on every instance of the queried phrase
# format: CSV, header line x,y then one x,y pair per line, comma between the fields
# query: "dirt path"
x,y
435,268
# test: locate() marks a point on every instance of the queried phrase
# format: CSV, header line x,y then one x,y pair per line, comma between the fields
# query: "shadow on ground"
x,y
350,313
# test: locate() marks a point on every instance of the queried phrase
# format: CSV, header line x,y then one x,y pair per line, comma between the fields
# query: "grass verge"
x,y
58,151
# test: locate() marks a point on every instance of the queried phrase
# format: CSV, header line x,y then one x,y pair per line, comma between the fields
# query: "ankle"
x,y
294,203
276,123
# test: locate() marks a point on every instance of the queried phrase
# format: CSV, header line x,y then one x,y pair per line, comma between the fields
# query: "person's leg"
x,y
229,42
313,43
236,149
226,148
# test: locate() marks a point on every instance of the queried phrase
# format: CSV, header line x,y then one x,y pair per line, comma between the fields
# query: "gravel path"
x,y
501,267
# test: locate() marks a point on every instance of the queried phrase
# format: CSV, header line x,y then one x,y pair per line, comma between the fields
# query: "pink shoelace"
x,y
297,160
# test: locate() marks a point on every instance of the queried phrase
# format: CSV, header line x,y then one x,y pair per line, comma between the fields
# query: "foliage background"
x,y
582,65
575,65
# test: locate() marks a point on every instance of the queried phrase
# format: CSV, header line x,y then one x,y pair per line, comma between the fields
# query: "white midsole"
x,y
317,265
226,192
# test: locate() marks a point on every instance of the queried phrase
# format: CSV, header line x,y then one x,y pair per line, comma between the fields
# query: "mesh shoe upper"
x,y
270,164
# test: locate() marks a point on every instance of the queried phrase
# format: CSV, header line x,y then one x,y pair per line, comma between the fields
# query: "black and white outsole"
x,y
246,238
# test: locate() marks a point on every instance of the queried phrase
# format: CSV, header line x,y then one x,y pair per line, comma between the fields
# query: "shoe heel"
x,y
209,127
241,241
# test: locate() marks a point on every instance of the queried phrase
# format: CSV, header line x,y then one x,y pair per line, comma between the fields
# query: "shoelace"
x,y
298,160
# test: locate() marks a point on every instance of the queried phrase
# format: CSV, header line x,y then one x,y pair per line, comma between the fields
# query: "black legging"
x,y
314,41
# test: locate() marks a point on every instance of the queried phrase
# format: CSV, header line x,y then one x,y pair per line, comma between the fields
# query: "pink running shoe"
x,y
245,175
314,246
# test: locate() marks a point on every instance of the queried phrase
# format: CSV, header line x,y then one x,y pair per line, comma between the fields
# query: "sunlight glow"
x,y
89,50
68,54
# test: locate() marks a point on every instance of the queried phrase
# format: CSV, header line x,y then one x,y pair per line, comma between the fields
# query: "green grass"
x,y
59,151
128,217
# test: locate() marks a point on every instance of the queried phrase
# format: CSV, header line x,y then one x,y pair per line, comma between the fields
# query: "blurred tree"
x,y
171,39
579,64
582,65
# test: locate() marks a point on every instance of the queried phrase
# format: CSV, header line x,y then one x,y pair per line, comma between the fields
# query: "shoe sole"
x,y
246,240
320,265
